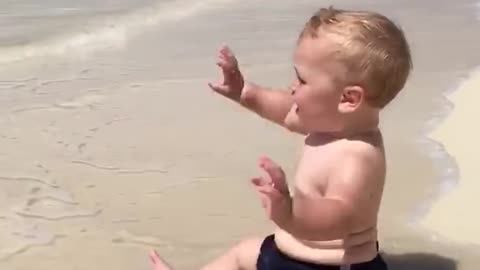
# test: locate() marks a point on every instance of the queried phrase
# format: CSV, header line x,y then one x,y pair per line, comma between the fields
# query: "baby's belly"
x,y
357,248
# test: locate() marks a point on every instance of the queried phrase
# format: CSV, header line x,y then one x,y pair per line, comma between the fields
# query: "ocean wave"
x,y
445,164
110,32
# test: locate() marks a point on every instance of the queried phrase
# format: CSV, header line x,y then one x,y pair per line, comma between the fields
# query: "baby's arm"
x,y
273,105
349,201
270,104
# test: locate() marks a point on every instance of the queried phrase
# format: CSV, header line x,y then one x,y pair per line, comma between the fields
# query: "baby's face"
x,y
318,87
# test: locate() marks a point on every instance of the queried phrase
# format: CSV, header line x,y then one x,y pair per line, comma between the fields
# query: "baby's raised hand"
x,y
273,190
233,82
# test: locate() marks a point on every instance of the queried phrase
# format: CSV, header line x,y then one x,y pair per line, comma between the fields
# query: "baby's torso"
x,y
358,246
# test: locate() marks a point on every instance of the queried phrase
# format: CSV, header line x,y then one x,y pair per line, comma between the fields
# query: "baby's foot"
x,y
157,262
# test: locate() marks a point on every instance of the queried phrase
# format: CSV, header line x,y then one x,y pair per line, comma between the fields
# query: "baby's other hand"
x,y
273,190
275,174
233,82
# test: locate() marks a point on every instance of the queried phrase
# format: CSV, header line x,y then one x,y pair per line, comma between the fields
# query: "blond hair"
x,y
373,48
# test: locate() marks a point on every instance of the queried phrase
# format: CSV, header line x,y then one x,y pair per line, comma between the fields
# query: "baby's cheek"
x,y
302,101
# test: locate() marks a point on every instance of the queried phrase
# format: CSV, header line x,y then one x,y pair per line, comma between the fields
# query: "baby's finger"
x,y
226,65
227,54
266,190
260,181
230,54
226,51
265,187
219,88
274,171
223,63
223,48
222,56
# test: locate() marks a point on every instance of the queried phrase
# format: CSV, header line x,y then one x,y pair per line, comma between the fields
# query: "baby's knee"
x,y
250,243
247,252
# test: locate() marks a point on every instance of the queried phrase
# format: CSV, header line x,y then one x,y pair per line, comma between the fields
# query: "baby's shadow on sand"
x,y
419,261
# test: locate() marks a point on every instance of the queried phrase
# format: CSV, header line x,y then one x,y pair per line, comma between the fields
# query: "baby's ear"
x,y
352,97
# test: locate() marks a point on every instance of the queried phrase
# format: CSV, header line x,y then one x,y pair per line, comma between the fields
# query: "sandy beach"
x,y
112,143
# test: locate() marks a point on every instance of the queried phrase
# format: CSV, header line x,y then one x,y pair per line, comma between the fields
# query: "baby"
x,y
349,65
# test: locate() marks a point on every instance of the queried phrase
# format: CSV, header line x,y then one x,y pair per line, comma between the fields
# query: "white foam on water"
x,y
445,164
109,32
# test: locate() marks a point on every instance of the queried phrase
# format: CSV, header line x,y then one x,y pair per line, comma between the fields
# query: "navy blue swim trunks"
x,y
271,258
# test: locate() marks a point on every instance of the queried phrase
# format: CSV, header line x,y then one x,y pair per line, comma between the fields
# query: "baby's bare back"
x,y
350,173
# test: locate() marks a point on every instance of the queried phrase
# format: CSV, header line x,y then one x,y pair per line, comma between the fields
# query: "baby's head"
x,y
349,65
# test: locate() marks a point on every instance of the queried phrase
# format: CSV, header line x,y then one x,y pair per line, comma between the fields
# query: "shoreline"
x,y
457,200
444,162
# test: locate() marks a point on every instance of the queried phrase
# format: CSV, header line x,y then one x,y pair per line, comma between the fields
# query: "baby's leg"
x,y
243,256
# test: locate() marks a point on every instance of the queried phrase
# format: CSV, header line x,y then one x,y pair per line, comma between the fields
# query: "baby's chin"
x,y
292,121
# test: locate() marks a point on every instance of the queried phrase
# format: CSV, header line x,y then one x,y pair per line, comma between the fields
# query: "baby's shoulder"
x,y
341,153
343,161
350,154
360,149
